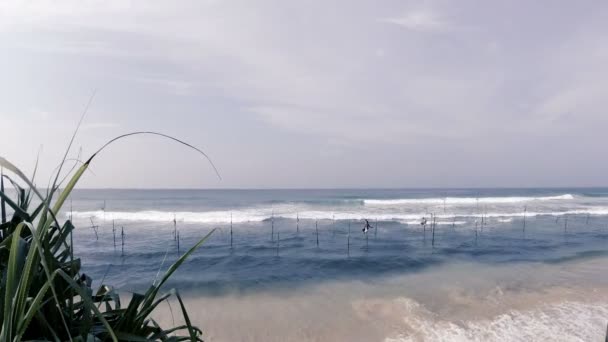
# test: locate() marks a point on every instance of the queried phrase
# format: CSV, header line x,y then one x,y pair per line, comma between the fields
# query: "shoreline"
x,y
518,302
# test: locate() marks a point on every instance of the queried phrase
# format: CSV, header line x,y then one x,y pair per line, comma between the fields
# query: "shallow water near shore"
x,y
293,265
460,302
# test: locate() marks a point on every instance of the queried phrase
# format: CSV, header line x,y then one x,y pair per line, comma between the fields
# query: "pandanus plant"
x,y
43,294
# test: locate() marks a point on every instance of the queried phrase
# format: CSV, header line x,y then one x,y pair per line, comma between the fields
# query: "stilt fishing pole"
x,y
317,229
348,240
525,211
230,229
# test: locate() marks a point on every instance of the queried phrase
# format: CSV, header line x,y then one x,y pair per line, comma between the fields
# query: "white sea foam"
x,y
463,200
181,216
442,223
261,214
566,321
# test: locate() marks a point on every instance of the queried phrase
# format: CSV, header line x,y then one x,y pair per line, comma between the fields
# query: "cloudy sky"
x,y
311,93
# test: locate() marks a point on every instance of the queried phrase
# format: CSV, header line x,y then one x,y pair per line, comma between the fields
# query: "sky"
x,y
310,94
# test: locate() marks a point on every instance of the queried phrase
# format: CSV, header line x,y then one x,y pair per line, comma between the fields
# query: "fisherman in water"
x,y
367,227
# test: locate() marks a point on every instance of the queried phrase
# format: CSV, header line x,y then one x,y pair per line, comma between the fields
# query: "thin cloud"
x,y
420,20
376,76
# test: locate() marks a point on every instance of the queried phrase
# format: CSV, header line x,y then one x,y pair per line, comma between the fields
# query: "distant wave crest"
x,y
464,200
252,215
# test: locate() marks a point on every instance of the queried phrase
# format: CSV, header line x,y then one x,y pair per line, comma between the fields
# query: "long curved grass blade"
x,y
16,185
161,135
84,297
36,165
76,161
29,191
2,204
37,247
16,257
67,150
36,211
193,332
46,323
9,166
161,264
165,333
34,306
51,190
131,311
17,209
145,311
130,337
153,291
69,187
34,255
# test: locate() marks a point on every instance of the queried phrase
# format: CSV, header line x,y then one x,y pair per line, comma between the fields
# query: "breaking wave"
x,y
567,321
260,215
464,200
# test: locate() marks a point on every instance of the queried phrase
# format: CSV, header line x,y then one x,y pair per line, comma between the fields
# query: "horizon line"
x,y
352,188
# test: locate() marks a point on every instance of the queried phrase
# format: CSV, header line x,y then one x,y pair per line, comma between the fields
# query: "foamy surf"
x,y
264,214
465,200
567,321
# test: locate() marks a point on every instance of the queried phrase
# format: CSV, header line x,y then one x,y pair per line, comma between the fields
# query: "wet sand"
x,y
458,302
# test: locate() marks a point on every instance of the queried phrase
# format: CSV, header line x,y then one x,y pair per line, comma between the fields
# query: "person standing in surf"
x,y
367,227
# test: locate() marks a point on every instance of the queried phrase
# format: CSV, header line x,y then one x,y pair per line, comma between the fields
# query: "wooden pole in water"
x,y
174,227
366,238
433,228
565,224
423,223
333,225
297,223
587,222
454,222
114,233
230,229
525,211
122,237
94,227
348,240
317,229
376,229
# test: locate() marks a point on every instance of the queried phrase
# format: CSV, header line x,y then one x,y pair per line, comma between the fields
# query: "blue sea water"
x,y
267,239
295,265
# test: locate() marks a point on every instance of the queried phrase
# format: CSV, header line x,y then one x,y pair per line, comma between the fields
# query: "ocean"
x,y
295,265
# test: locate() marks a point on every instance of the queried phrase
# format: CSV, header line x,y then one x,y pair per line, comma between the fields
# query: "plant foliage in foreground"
x,y
43,295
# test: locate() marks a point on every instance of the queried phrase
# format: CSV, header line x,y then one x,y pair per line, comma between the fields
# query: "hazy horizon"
x,y
368,94
357,188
